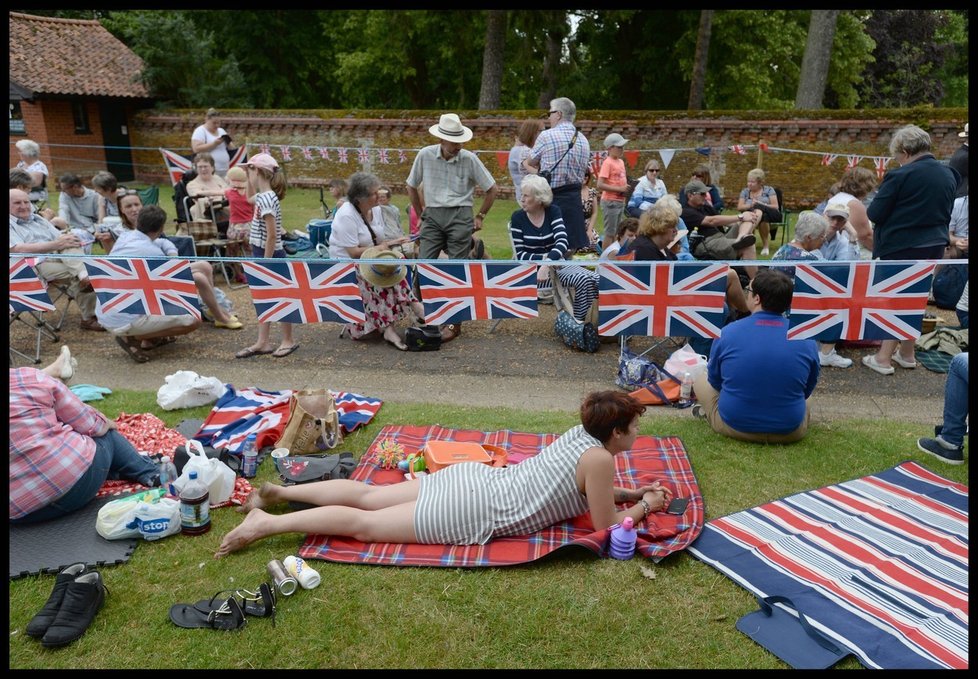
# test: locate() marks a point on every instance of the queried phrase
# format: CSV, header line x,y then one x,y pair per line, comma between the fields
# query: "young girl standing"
x,y
268,182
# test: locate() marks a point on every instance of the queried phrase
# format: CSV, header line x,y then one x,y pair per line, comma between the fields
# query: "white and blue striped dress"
x,y
471,503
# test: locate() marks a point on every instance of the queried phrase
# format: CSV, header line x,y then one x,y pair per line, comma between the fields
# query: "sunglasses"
x,y
652,169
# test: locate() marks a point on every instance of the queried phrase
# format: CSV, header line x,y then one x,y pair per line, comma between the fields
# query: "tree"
x,y
818,55
700,59
493,56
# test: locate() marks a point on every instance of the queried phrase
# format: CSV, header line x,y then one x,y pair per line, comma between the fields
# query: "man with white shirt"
x,y
31,233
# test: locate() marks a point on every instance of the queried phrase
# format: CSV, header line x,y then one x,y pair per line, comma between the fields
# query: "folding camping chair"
x,y
207,241
39,326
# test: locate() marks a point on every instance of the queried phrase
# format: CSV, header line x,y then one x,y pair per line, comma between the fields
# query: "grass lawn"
x,y
569,610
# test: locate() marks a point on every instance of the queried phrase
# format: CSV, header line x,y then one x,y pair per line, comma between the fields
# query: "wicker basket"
x,y
198,230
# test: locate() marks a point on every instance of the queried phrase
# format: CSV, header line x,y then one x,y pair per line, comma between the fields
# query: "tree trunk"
x,y
555,35
818,55
698,84
492,60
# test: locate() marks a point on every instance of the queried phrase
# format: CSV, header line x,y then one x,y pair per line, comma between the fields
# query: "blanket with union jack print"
x,y
879,564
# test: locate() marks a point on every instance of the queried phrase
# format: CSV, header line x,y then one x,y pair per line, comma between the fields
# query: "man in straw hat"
x,y
959,162
841,242
562,154
449,174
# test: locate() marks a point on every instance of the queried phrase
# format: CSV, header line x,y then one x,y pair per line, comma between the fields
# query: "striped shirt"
x,y
448,183
51,442
470,503
266,203
549,241
550,146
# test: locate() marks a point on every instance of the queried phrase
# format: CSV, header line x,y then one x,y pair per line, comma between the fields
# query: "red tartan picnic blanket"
x,y
652,458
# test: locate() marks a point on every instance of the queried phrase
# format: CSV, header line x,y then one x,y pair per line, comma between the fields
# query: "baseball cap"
x,y
837,210
614,139
262,160
696,186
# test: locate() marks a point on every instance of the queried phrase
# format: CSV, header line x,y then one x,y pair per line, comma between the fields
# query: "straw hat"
x,y
837,210
450,128
382,275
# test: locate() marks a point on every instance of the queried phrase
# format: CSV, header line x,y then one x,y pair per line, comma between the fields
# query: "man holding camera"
x,y
213,139
561,155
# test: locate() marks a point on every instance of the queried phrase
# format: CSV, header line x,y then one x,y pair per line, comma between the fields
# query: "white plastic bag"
x,y
187,389
114,518
685,360
217,476
156,520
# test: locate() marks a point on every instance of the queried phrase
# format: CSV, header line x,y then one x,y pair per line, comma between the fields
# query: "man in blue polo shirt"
x,y
738,394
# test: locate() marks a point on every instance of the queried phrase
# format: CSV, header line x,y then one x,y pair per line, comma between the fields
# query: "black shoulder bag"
x,y
548,174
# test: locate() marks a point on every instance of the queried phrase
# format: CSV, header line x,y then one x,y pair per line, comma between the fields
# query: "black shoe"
x,y
83,599
39,623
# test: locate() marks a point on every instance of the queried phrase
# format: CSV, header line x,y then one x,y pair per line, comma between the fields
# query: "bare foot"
x,y
247,532
258,499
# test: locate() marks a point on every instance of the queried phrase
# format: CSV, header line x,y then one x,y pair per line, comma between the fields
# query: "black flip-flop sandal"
x,y
227,616
260,604
135,353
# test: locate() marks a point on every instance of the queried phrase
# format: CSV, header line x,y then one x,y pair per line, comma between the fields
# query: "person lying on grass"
x,y
471,503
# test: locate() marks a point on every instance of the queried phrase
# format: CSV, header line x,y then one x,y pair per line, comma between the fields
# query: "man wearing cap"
x,y
841,243
562,154
702,217
959,162
613,183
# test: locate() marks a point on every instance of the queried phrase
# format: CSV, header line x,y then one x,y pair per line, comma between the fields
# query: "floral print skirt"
x,y
382,306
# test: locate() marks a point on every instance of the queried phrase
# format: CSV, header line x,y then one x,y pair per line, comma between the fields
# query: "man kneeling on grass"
x,y
738,395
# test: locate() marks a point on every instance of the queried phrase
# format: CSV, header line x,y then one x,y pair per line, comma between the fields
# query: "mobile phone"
x,y
678,505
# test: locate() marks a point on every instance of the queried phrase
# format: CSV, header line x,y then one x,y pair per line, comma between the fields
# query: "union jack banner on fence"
x,y
148,287
474,291
304,291
27,291
176,165
240,156
859,300
661,300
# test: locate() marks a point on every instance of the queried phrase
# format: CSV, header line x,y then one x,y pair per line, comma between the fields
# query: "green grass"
x,y
568,610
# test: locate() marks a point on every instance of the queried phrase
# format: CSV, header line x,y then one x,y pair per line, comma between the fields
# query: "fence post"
x,y
760,154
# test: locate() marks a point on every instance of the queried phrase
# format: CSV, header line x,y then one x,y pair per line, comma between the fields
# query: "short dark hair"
x,y
774,288
602,412
20,178
151,219
70,179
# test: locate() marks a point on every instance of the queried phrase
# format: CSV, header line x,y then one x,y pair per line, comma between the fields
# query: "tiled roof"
x,y
71,56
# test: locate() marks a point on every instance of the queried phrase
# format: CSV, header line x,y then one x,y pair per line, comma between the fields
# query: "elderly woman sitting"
x,y
761,200
207,189
810,233
358,231
539,234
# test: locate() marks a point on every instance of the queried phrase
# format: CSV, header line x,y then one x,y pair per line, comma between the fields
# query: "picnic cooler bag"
x,y
439,454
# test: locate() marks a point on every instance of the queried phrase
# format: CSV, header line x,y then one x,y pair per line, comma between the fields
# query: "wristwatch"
x,y
481,215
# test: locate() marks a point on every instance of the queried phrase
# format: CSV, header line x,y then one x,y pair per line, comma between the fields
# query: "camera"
x,y
226,138
546,174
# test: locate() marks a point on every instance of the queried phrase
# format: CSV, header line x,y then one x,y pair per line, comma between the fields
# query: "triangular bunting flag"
x,y
738,149
828,158
880,164
853,161
666,155
631,157
703,150
502,157
286,152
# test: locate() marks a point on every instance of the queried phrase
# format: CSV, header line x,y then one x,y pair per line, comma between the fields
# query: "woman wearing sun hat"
x,y
358,233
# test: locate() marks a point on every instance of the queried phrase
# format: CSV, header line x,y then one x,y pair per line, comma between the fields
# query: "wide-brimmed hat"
x,y
965,132
837,210
450,128
696,186
382,275
262,160
614,139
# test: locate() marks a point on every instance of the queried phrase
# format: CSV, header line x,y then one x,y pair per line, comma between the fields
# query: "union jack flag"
x,y
880,164
363,155
828,158
148,287
264,148
286,152
852,161
324,152
27,291
738,149
240,156
304,291
401,156
662,300
859,300
474,291
384,157
341,154
176,165
307,153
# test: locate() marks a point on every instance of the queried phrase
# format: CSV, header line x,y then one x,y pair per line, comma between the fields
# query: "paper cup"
x,y
280,452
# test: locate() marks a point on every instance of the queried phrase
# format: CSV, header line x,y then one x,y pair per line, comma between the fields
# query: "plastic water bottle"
x,y
623,538
249,457
168,474
300,570
195,507
686,391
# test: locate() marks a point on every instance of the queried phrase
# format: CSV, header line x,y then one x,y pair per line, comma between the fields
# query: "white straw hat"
x,y
382,275
450,128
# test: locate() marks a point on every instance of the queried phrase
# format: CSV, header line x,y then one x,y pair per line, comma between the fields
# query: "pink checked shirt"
x,y
51,444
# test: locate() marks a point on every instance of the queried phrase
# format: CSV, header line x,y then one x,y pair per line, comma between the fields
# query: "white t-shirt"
x,y
350,231
220,152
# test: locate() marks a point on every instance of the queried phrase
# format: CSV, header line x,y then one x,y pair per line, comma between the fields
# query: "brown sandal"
x,y
450,332
131,347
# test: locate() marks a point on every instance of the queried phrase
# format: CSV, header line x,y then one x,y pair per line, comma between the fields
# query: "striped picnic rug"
x,y
651,458
879,564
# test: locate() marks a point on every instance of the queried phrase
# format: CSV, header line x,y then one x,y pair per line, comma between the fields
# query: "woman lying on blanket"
x,y
471,503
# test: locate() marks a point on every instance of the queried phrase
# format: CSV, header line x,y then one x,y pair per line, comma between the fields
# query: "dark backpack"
x,y
424,338
949,284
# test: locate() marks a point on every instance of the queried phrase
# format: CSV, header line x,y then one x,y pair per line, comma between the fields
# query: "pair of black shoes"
x,y
77,596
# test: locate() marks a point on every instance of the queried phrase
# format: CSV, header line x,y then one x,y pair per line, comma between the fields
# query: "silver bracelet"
x,y
646,507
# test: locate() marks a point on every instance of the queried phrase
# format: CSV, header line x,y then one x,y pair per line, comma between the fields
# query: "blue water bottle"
x,y
623,539
249,457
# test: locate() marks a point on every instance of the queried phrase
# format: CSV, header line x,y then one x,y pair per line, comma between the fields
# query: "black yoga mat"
x,y
49,546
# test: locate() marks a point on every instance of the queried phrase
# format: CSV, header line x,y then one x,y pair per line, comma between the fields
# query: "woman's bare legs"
x,y
889,347
390,521
334,492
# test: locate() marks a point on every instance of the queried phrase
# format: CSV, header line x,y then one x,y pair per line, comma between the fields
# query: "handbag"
x,y
314,423
652,384
423,338
581,335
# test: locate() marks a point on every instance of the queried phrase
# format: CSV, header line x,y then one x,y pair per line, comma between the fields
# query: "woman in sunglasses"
x,y
648,190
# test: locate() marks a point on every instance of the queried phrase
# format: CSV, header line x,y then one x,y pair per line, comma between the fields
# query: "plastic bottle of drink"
x,y
195,503
686,390
168,474
249,457
623,539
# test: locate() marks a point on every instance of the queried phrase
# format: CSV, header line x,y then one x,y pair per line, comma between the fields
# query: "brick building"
x,y
74,89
